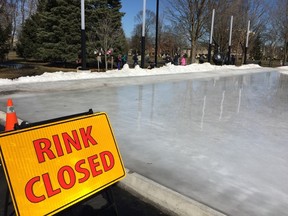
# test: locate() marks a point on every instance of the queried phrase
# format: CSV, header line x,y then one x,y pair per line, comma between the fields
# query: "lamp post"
x,y
247,41
83,39
211,36
156,35
230,39
143,35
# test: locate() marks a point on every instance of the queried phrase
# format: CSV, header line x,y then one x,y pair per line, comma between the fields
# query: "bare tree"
x,y
253,10
242,11
149,30
171,41
14,13
189,17
224,9
20,10
135,42
149,22
279,16
32,6
104,35
5,10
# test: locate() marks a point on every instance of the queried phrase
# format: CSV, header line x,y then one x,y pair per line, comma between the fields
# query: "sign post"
x,y
53,166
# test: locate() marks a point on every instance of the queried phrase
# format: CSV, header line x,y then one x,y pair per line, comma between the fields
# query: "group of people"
x,y
121,60
177,59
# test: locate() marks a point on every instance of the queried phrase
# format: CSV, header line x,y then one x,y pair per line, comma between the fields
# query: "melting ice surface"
x,y
221,141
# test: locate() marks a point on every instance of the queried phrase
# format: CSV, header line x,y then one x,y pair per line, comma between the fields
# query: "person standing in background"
x,y
183,60
119,61
124,59
135,59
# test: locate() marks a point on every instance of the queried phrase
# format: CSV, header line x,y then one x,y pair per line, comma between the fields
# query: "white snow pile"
x,y
283,69
126,72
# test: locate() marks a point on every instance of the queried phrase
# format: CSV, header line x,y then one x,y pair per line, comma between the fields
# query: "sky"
x,y
128,72
131,8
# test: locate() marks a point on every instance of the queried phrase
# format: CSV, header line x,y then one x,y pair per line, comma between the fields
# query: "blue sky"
x,y
132,8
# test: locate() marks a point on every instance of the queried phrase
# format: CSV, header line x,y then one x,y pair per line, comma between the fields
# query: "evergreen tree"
x,y
136,38
28,38
4,41
5,32
55,29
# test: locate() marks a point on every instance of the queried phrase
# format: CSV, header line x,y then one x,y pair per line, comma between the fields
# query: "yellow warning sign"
x,y
53,166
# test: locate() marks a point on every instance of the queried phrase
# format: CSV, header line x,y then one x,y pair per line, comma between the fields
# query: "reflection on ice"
x,y
203,112
219,141
190,101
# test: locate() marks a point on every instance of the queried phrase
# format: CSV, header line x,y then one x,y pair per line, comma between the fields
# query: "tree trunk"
x,y
23,3
112,62
285,53
106,62
193,52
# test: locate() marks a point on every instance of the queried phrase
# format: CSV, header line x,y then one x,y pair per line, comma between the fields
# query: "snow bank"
x,y
125,72
283,69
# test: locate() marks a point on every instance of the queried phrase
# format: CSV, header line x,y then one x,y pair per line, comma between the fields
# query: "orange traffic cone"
x,y
11,118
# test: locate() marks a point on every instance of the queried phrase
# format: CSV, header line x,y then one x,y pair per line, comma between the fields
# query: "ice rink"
x,y
218,139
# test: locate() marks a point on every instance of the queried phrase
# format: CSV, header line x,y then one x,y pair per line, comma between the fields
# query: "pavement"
x,y
135,195
150,199
126,204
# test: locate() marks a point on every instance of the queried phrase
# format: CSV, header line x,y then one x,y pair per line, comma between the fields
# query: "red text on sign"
x,y
65,142
68,176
